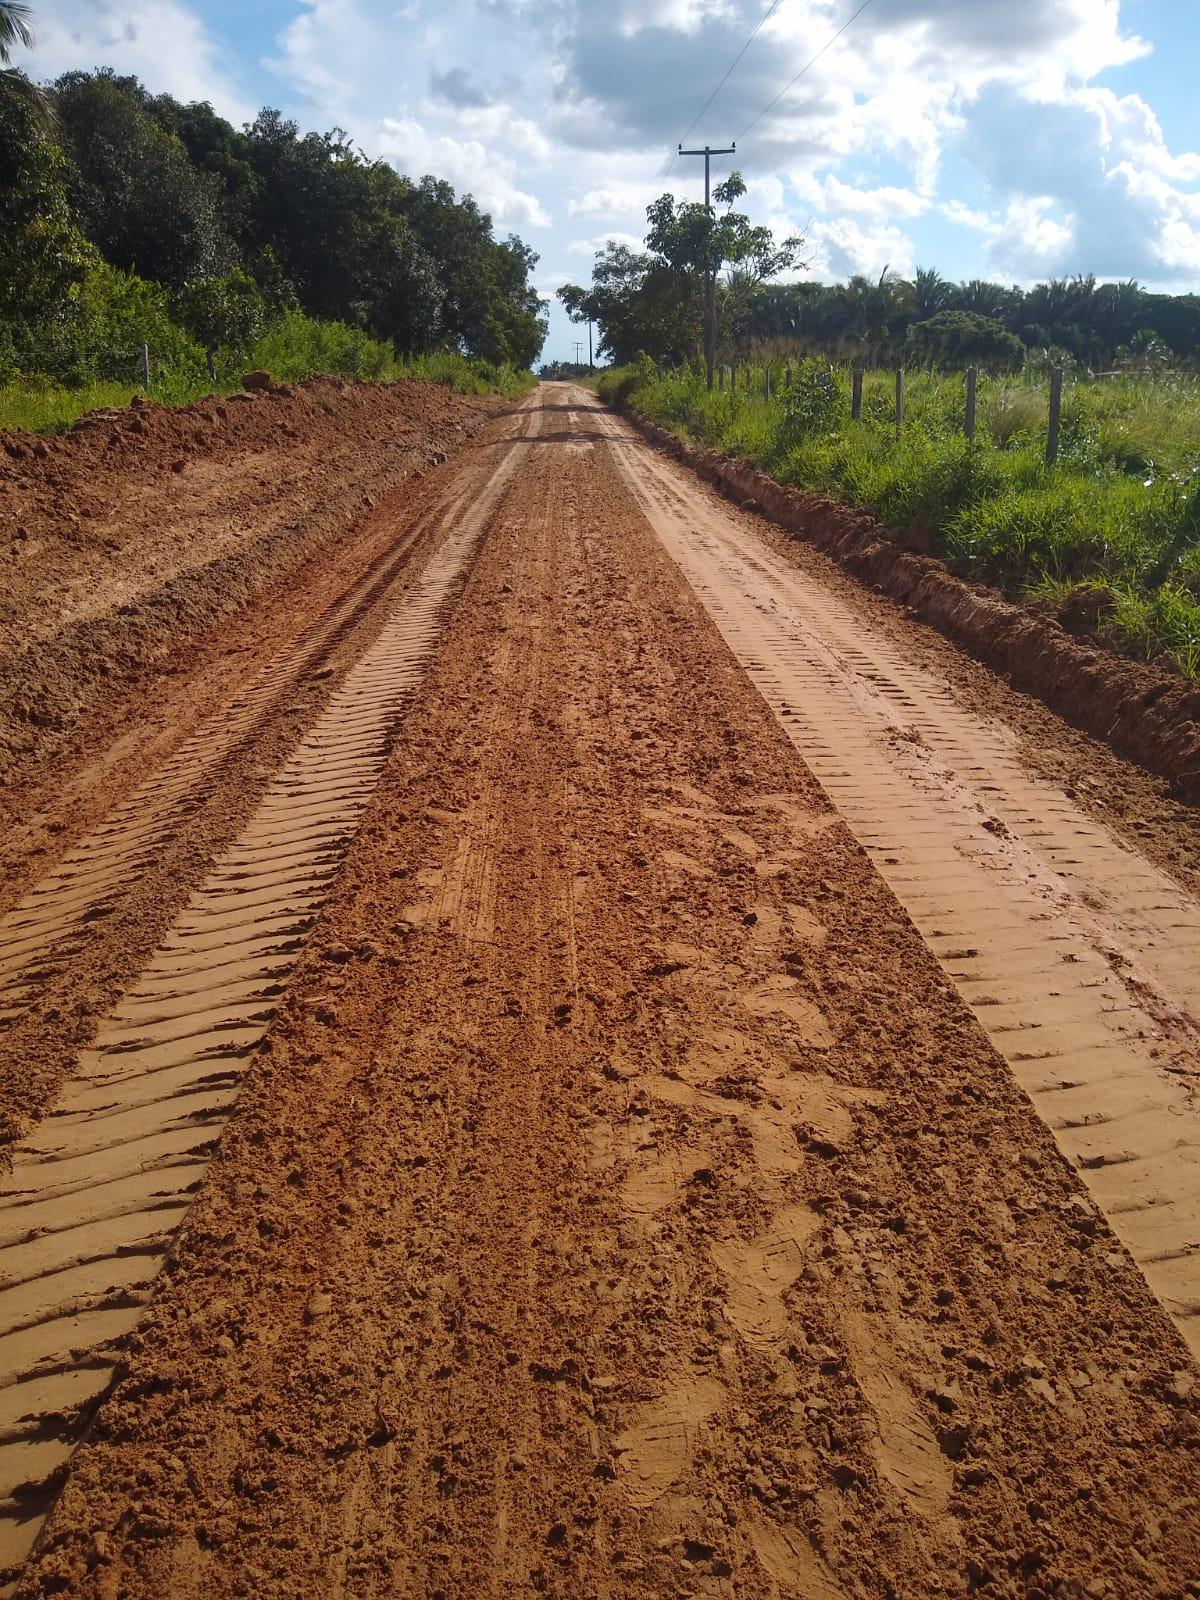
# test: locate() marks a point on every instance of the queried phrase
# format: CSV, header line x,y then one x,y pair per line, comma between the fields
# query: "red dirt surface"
x,y
140,532
622,1202
1143,712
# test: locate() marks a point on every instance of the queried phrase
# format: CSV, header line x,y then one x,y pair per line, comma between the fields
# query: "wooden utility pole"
x,y
710,275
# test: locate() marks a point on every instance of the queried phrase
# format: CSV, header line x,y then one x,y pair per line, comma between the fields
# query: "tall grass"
x,y
296,347
1118,513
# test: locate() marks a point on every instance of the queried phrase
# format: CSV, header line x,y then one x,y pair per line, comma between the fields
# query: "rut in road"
x,y
88,1209
1080,958
635,1209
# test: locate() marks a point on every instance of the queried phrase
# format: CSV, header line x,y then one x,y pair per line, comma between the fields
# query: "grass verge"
x,y
1109,537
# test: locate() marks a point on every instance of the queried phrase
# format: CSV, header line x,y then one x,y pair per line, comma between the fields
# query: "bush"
x,y
617,385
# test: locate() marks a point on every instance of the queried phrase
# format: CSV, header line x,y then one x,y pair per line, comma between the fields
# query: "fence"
x,y
729,373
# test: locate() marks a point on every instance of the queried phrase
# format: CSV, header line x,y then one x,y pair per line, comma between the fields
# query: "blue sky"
x,y
1007,139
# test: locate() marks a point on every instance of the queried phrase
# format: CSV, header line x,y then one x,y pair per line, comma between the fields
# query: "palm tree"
x,y
14,28
873,308
930,293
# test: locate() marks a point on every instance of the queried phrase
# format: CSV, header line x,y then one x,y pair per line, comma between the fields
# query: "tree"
x,y
697,242
929,293
962,339
875,308
580,308
44,257
14,28
137,195
638,303
225,311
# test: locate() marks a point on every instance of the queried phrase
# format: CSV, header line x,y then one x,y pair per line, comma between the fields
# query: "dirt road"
x,y
612,1067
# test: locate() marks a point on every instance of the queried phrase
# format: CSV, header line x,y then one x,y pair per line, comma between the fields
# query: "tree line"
x,y
126,215
651,301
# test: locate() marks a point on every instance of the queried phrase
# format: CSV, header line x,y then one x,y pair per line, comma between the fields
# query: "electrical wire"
x,y
788,87
758,27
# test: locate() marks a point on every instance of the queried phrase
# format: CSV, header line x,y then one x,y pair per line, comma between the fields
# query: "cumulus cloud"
x,y
466,163
160,41
458,87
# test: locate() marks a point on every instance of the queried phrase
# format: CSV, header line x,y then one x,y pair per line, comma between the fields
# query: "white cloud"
x,y
160,41
467,163
589,247
842,247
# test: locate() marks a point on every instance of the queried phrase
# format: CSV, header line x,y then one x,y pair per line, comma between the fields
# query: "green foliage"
x,y
814,403
228,311
126,217
1120,511
44,256
616,384
137,195
964,339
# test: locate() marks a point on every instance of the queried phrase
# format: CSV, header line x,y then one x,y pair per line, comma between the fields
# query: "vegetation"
x,y
127,217
292,348
654,301
639,301
1109,536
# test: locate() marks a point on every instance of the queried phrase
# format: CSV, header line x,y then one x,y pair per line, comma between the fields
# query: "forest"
x,y
130,218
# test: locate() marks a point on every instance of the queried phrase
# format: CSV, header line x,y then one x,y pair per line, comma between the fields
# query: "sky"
x,y
1003,139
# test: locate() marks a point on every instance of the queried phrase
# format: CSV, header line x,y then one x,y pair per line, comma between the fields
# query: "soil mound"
x,y
141,529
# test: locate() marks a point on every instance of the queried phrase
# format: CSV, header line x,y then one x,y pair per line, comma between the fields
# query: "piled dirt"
x,y
1145,713
624,1204
141,531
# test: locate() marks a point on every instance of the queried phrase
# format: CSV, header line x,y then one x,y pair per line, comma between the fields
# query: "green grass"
x,y
296,347
1119,512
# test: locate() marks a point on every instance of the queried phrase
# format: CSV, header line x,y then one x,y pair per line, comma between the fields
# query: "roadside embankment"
x,y
1144,712
142,531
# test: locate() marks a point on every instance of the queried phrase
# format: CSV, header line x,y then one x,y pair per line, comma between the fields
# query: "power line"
x,y
758,27
788,87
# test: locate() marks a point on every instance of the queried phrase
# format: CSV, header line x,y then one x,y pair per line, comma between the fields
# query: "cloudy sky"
x,y
1008,139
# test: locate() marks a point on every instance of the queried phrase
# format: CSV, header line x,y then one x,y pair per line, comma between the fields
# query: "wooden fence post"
x,y
1056,379
972,379
145,366
899,397
212,367
856,395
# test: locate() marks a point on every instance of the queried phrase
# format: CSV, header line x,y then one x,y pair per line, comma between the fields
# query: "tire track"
x,y
88,1211
1079,958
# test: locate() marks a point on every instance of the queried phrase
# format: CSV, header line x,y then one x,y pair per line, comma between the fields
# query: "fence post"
x,y
1056,380
972,379
212,367
145,366
732,378
856,395
899,397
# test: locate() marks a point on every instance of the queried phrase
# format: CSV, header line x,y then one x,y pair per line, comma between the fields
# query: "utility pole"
x,y
710,284
578,352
